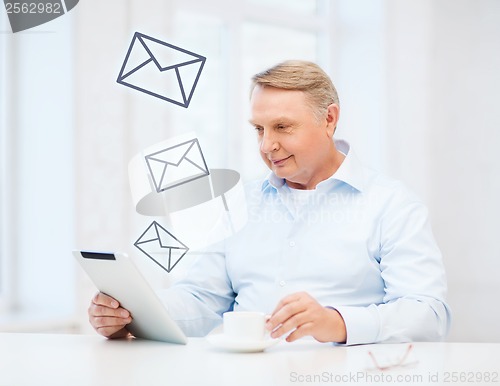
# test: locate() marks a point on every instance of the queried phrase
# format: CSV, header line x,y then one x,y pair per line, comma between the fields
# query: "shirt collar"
x,y
349,172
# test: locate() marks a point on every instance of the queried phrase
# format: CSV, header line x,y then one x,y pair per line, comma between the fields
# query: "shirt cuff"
x,y
362,324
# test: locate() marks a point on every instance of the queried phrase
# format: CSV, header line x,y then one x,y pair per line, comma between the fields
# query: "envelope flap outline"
x,y
160,165
188,77
173,249
196,158
155,48
172,155
149,235
136,59
165,239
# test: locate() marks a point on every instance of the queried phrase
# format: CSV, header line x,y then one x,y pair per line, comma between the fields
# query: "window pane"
x,y
204,35
39,168
3,117
263,45
300,6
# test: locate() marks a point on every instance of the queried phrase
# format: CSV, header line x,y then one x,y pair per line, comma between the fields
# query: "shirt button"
x,y
292,243
282,283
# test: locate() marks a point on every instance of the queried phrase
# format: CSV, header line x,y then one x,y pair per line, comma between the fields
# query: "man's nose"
x,y
268,142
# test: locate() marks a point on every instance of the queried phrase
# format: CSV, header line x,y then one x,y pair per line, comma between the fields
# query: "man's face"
x,y
294,143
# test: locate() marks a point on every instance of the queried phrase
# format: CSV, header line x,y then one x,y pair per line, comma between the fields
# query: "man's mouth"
x,y
279,162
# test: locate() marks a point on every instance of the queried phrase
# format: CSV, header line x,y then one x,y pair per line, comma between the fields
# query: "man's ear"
x,y
332,118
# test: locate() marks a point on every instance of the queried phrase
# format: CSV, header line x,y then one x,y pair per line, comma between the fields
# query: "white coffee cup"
x,y
244,325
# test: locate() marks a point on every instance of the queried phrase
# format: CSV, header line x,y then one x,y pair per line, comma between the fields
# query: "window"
x,y
4,267
36,128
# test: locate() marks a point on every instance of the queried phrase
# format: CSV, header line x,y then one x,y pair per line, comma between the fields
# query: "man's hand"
x,y
303,315
107,317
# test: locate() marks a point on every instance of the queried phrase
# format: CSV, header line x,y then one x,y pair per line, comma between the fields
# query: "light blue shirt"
x,y
360,243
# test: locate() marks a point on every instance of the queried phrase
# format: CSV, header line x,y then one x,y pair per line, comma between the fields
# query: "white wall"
x,y
419,84
466,178
443,86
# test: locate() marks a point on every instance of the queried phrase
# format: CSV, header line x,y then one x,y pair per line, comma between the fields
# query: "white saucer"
x,y
230,344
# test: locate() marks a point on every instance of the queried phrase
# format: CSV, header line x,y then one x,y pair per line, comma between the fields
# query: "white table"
x,y
71,360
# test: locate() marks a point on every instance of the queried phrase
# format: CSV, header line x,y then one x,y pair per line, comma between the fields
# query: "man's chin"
x,y
280,173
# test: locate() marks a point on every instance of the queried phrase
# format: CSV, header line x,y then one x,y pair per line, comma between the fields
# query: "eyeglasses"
x,y
399,363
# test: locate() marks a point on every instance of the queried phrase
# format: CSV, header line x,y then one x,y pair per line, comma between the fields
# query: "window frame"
x,y
17,301
6,264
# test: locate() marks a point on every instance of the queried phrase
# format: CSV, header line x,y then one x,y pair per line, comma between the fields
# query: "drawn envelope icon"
x,y
177,165
161,69
161,246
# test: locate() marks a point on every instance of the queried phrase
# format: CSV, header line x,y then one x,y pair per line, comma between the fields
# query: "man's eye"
x,y
282,127
258,129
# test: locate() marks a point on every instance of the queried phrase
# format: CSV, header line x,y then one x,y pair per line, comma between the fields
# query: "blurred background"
x,y
419,85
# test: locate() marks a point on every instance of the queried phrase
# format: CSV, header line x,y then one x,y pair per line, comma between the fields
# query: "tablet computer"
x,y
116,275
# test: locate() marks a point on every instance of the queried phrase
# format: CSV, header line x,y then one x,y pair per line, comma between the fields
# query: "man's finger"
x,y
289,310
105,300
286,300
115,331
299,332
99,311
290,324
109,321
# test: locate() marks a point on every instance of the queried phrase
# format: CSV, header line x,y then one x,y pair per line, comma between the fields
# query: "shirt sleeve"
x,y
410,262
197,302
